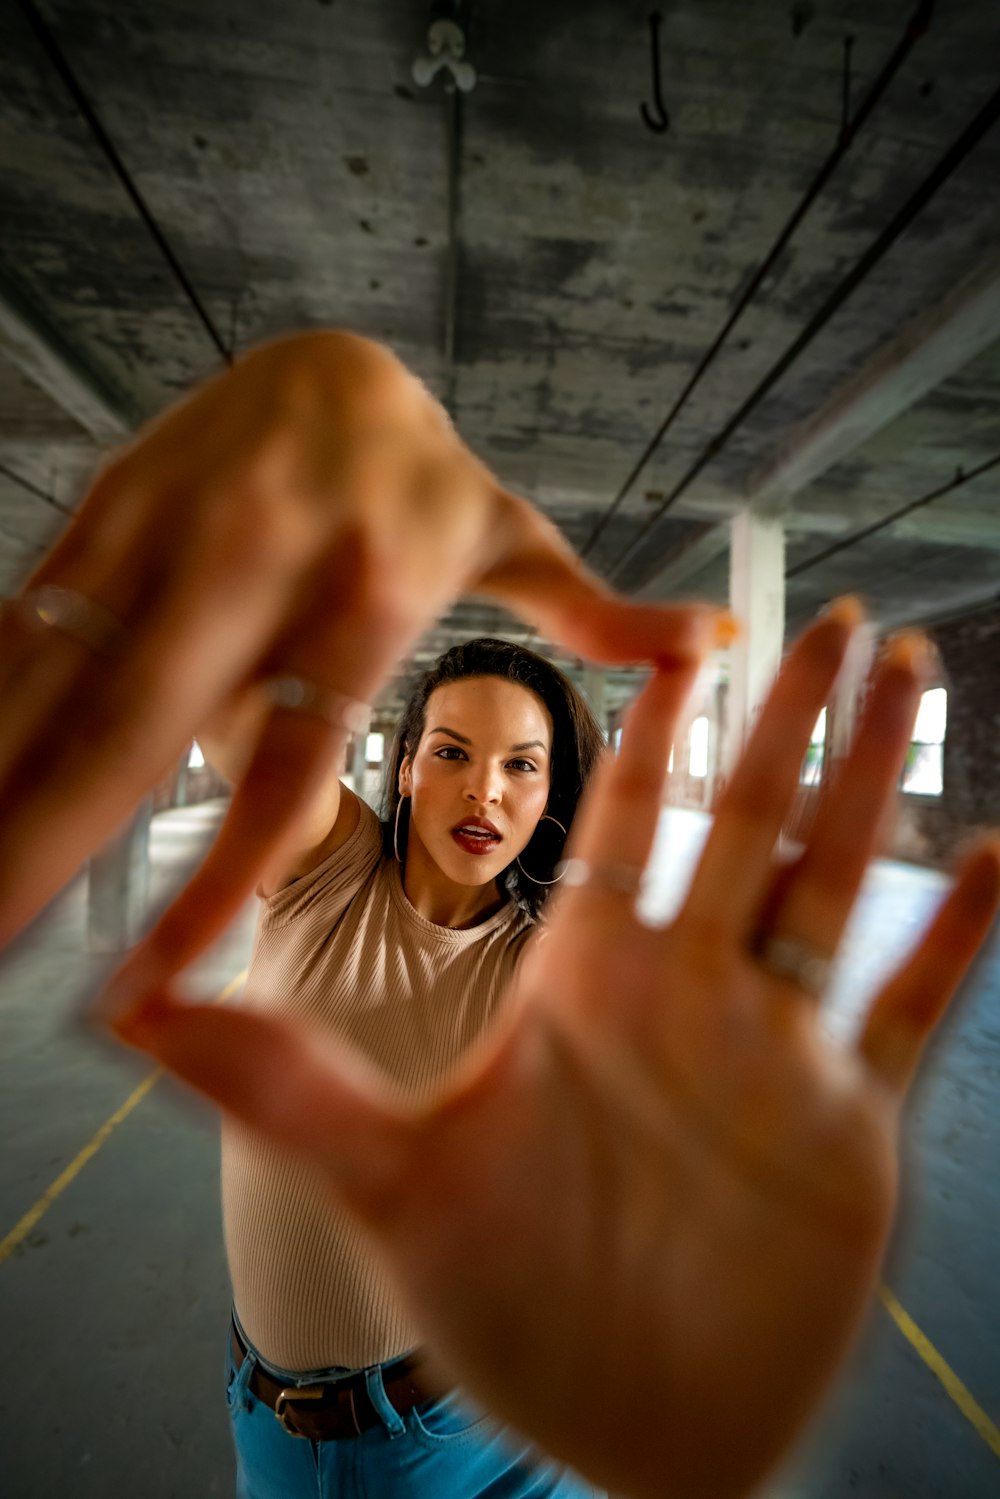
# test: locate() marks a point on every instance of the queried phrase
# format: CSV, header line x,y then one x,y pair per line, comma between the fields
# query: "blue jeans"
x,y
445,1449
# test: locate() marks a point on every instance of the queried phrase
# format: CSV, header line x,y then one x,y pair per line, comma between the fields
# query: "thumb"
x,y
536,572
295,1085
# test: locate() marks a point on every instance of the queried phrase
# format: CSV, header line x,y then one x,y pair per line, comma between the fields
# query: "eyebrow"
x,y
529,744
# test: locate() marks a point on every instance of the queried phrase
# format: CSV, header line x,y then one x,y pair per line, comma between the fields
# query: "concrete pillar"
x,y
359,761
118,886
595,690
846,700
713,707
757,598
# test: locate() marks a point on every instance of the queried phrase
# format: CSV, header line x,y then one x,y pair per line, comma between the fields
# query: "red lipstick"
x,y
476,835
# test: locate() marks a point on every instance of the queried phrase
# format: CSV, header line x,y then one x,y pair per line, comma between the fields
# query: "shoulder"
x,y
344,825
333,873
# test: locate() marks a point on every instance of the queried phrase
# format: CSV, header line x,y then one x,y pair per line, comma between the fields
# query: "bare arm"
x,y
229,740
309,511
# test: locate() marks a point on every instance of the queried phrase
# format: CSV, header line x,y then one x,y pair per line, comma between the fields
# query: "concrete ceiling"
x,y
555,269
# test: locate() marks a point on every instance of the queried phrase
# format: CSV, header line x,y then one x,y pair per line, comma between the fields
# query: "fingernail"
x,y
912,652
848,609
718,629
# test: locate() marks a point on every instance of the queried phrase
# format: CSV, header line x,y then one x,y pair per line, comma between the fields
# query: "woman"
x,y
644,1219
403,941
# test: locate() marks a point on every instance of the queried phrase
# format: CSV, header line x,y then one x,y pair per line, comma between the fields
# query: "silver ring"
x,y
797,963
52,607
620,879
300,695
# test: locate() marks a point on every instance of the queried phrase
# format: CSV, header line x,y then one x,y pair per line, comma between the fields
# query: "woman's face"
x,y
479,778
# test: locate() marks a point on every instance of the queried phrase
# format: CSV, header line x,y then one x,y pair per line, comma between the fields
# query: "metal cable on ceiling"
x,y
949,162
915,29
960,479
453,110
62,67
40,494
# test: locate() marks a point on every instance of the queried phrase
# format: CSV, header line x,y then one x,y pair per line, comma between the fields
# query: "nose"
x,y
484,785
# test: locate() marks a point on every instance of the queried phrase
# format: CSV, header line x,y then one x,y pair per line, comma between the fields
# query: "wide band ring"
x,y
52,607
796,962
300,695
619,879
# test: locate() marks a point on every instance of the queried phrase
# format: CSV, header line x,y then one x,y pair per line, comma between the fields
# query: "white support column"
x,y
359,760
847,696
595,690
757,598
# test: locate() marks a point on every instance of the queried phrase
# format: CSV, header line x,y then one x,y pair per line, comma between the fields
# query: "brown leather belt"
x,y
330,1411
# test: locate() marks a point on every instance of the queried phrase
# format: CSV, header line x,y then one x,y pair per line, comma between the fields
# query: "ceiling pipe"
x,y
915,29
26,484
62,67
453,106
959,480
446,57
949,162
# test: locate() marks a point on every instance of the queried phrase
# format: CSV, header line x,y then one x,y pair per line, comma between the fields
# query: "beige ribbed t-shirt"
x,y
344,948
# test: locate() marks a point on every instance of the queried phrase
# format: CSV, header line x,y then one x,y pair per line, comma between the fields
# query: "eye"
x,y
449,752
523,764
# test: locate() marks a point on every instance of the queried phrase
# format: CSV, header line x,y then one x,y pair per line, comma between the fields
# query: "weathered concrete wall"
x,y
932,829
929,829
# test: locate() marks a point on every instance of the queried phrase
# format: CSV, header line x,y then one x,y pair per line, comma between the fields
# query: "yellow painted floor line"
x,y
971,1410
23,1228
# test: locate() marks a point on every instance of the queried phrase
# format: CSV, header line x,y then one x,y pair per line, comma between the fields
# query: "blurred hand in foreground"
x,y
644,1222
298,520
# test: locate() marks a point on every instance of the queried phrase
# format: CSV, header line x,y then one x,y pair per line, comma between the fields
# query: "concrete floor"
x,y
113,1307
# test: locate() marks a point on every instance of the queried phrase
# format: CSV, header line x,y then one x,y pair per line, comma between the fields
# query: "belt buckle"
x,y
289,1396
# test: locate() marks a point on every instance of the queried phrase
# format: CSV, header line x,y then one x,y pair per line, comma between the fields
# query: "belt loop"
x,y
387,1413
241,1389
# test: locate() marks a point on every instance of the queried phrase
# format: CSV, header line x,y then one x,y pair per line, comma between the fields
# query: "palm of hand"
x,y
642,1211
643,1223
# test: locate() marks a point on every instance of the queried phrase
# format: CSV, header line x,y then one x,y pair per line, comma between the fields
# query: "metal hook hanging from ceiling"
x,y
658,118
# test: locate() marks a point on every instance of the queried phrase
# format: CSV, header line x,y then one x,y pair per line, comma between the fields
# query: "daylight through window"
x,y
812,764
923,774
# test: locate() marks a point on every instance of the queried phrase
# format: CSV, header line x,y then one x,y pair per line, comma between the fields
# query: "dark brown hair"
x,y
577,743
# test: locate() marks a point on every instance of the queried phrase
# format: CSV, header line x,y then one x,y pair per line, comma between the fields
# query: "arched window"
x,y
698,761
923,774
375,748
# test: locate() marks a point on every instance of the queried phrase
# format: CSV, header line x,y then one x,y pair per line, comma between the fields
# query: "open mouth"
x,y
476,838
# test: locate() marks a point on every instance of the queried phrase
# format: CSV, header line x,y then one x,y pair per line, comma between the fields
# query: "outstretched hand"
x,y
644,1222
306,514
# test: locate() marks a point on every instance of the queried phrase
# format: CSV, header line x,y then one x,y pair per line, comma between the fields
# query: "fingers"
x,y
342,655
734,870
296,754
83,758
300,1089
814,900
911,1004
536,573
616,824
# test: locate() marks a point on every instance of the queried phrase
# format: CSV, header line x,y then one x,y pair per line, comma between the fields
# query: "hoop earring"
x,y
544,818
395,831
